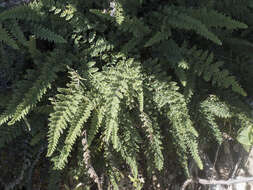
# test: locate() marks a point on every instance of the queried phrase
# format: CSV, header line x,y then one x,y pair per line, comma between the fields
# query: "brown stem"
x,y
89,167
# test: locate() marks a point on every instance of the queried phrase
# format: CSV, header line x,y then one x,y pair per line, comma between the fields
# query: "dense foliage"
x,y
115,89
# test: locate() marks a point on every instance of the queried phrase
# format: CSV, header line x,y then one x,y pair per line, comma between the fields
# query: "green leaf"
x,y
244,136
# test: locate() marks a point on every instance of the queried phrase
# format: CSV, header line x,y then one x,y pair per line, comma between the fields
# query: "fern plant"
x,y
112,84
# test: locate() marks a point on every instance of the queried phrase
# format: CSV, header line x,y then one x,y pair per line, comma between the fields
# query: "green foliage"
x,y
204,65
7,39
212,18
182,21
131,75
28,15
245,134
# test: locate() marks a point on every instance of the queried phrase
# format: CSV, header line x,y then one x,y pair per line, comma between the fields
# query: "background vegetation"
x,y
98,94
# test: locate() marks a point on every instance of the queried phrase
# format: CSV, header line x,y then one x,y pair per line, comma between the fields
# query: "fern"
x,y
211,71
183,21
16,31
22,12
96,123
154,141
212,18
46,34
124,74
76,125
173,105
158,37
5,37
130,142
21,88
34,95
119,13
67,13
64,107
111,122
210,109
26,13
9,133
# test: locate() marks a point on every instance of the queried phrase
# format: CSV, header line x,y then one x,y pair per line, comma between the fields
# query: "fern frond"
x,y
112,121
101,46
119,13
216,107
183,21
97,118
208,120
5,117
22,12
6,38
16,31
210,109
169,100
204,65
46,34
82,114
159,36
154,140
212,18
65,106
21,88
67,13
35,93
130,139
